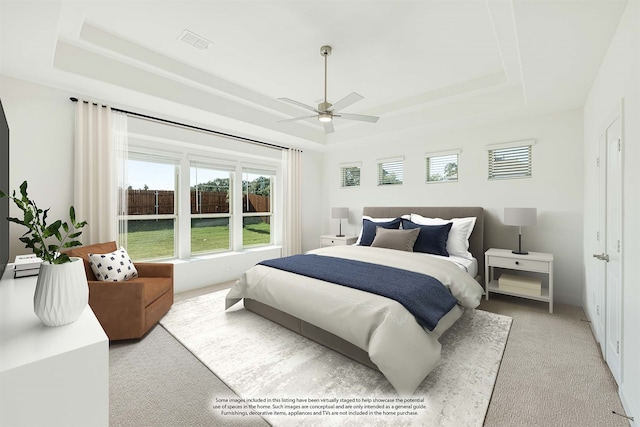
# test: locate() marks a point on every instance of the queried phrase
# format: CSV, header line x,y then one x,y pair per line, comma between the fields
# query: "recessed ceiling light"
x,y
194,40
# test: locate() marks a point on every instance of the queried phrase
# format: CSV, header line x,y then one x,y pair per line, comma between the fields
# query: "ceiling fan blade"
x,y
328,127
299,104
350,99
297,118
359,117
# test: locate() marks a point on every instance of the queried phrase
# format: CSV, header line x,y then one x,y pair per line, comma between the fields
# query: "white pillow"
x,y
458,240
376,220
113,267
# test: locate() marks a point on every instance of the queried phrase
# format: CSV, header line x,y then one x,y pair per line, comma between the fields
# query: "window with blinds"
x,y
442,167
349,176
510,161
390,171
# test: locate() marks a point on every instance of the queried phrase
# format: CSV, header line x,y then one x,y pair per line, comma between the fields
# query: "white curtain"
x,y
292,236
95,191
120,139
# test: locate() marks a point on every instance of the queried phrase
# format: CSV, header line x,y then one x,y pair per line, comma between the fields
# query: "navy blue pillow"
x,y
432,238
369,229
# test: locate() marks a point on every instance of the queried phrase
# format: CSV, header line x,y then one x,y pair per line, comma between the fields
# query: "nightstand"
x,y
332,240
537,262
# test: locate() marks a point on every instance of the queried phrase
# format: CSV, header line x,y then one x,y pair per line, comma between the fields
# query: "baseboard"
x,y
631,409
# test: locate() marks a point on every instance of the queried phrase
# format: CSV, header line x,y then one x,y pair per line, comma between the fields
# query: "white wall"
x,y
555,189
41,121
618,78
41,126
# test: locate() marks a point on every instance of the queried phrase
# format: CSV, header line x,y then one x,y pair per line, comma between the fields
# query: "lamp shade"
x,y
339,213
520,216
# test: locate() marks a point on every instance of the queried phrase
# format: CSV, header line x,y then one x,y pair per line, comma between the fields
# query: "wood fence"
x,y
161,202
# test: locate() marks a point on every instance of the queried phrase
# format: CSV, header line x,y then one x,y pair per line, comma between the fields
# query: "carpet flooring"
x,y
155,381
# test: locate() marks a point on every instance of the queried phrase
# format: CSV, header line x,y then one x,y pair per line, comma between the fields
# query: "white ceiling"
x,y
417,63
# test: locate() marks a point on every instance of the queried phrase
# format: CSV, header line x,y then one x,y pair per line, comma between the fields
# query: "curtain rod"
x,y
215,132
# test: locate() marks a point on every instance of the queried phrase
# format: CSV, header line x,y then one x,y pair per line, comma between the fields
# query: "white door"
x,y
599,322
613,246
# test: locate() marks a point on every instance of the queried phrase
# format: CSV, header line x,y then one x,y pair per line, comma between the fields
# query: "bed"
x,y
370,328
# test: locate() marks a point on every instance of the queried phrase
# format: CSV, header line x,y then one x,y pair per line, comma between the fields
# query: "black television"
x,y
4,186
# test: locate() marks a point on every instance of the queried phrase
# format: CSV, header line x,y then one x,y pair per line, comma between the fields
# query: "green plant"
x,y
40,235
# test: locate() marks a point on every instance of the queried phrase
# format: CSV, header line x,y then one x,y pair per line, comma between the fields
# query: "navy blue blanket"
x,y
423,296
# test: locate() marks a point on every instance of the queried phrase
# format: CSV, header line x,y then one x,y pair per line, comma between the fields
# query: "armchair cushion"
x,y
113,267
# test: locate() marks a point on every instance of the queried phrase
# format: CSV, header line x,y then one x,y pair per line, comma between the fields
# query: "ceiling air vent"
x,y
194,40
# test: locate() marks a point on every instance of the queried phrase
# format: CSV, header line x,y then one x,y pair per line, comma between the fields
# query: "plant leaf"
x,y
72,244
23,189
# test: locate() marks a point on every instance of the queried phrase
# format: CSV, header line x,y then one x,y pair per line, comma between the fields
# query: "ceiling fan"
x,y
326,111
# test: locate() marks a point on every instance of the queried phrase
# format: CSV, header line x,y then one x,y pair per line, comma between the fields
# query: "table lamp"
x,y
339,213
520,217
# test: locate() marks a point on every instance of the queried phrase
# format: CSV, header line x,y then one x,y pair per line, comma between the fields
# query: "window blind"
x,y
442,167
350,176
510,162
390,171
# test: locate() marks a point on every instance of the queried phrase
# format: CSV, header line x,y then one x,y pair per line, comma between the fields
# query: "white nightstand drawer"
x,y
519,264
337,241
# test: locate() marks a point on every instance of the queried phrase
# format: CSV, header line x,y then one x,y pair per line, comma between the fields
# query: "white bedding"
x,y
402,350
470,265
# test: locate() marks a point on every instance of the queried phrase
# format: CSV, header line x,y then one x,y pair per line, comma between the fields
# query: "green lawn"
x,y
153,244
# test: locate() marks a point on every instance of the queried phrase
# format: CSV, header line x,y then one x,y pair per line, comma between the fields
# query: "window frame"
x,y
139,154
183,154
441,154
262,171
509,169
218,167
389,162
343,174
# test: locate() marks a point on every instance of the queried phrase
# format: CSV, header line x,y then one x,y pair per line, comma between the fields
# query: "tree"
x,y
351,177
451,170
218,185
389,178
260,186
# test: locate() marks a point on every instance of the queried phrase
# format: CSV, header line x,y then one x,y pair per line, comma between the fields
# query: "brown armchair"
x,y
128,309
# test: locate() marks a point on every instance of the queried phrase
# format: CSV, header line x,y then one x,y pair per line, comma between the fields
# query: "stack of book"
x,y
520,284
26,265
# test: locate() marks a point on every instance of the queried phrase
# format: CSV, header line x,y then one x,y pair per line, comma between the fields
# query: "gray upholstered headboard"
x,y
476,240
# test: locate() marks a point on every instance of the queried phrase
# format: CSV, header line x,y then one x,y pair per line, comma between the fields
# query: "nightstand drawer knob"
x,y
517,262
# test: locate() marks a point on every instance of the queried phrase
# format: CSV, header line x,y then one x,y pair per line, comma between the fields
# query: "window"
x,y
510,160
390,171
442,167
148,227
188,193
350,175
257,205
211,201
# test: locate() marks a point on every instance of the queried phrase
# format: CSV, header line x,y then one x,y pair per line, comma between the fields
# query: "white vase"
x,y
62,292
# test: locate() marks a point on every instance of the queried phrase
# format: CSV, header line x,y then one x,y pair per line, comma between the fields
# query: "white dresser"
x,y
49,376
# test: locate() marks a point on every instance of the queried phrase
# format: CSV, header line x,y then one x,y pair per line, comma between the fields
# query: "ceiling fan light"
x,y
324,117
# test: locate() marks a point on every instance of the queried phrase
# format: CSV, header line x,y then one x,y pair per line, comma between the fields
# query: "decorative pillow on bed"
x,y
432,238
458,240
401,240
369,229
114,267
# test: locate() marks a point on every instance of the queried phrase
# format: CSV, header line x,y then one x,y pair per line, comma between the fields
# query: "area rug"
x,y
290,380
